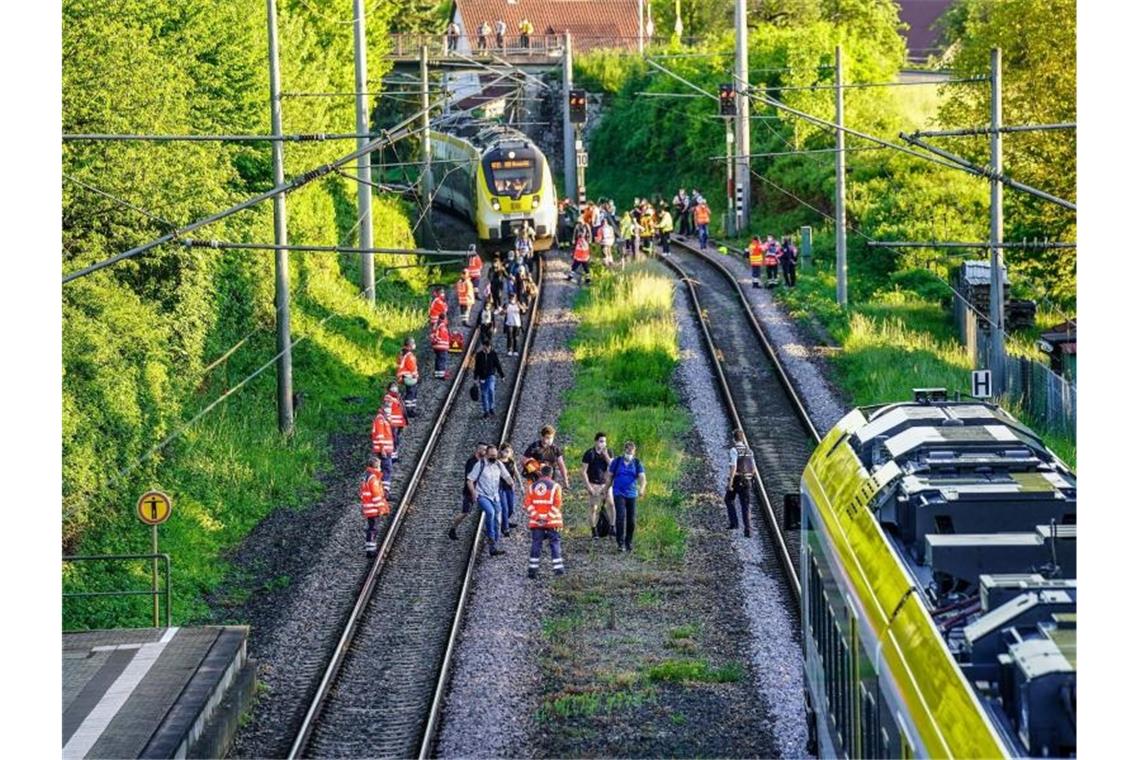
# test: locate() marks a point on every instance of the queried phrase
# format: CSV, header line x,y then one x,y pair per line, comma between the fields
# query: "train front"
x,y
514,187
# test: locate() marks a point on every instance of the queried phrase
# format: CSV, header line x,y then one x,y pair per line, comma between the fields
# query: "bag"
x,y
603,524
474,393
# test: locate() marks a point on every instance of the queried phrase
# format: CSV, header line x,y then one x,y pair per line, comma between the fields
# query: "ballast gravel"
x,y
495,685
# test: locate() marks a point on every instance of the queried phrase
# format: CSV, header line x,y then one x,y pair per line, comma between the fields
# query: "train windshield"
x,y
513,173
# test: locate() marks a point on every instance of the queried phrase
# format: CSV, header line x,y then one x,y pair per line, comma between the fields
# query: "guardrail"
x,y
537,45
154,593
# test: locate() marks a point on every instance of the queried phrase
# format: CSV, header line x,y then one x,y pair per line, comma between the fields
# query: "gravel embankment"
x,y
495,685
774,644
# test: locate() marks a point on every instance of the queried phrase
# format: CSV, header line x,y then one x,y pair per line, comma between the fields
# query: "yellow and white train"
x,y
938,565
497,178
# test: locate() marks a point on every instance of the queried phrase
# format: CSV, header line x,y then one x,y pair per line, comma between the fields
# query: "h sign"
x,y
980,382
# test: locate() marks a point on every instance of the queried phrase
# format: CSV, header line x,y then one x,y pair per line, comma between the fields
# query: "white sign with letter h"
x,y
980,385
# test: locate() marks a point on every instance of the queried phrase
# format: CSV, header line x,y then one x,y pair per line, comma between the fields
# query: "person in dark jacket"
x,y
788,261
487,365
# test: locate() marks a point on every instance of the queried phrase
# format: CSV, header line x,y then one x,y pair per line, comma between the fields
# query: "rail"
x,y
165,558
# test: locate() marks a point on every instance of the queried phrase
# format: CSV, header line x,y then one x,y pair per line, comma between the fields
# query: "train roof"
x,y
484,135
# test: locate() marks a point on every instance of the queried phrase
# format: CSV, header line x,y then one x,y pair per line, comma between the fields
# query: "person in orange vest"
x,y
581,260
440,343
474,266
408,374
438,307
395,409
772,255
383,444
756,259
543,504
702,216
465,292
373,502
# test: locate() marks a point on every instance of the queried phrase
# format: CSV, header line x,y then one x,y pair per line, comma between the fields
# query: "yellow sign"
x,y
154,507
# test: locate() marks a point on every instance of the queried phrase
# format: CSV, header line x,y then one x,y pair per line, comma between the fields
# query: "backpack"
x,y
603,524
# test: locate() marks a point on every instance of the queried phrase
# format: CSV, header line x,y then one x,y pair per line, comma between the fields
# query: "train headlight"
x,y
495,204
534,201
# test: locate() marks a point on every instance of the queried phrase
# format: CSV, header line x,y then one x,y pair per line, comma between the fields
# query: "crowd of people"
x,y
487,32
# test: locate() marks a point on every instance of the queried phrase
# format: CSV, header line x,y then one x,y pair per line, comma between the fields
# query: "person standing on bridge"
x,y
465,294
756,259
788,261
543,503
487,365
702,217
408,374
501,35
741,470
373,502
440,344
452,36
484,33
394,407
526,29
626,475
483,484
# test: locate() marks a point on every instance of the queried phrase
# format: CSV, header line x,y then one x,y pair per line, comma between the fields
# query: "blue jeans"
x,y
487,394
703,234
506,506
491,519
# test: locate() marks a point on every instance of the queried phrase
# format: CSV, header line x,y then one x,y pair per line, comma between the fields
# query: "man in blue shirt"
x,y
627,476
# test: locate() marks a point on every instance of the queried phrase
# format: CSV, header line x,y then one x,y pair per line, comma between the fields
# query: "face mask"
x,y
628,457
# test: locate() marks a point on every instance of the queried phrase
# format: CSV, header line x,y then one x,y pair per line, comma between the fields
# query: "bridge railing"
x,y
538,45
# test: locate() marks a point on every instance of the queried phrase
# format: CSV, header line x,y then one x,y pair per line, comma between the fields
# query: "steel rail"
x,y
715,356
457,622
309,722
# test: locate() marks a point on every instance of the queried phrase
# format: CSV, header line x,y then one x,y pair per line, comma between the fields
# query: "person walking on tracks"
x,y
627,477
507,487
383,444
543,503
595,464
440,344
701,217
408,375
512,325
396,417
487,365
581,261
474,266
741,471
756,259
468,501
788,261
665,228
373,502
545,451
465,294
483,485
438,308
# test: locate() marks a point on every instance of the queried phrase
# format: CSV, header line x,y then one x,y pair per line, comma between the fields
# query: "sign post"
x,y
154,508
981,384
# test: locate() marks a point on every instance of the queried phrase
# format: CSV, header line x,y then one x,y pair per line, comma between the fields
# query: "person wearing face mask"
x,y
468,502
373,502
546,452
595,463
396,417
627,477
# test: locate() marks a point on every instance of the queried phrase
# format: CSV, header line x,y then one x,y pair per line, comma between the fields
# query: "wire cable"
x,y
161,220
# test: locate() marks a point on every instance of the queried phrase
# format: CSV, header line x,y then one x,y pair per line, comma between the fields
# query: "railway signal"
x,y
727,100
577,106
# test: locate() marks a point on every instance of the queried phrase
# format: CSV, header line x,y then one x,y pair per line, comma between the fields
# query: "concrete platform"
x,y
154,692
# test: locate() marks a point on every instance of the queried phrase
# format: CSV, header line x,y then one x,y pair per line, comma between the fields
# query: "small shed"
x,y
1060,343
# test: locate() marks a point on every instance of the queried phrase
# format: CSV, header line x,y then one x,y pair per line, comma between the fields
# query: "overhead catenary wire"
x,y
307,137
300,247
125,203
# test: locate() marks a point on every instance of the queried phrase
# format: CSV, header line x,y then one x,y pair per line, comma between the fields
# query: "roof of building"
x,y
611,19
921,15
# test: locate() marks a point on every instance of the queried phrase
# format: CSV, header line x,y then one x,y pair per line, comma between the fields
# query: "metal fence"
x,y
1048,398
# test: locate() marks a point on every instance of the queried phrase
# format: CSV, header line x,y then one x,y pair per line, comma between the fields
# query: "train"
x,y
938,585
498,179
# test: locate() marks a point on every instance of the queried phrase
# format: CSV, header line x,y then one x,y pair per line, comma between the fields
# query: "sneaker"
x,y
532,572
560,571
747,533
594,531
452,534
513,525
496,551
627,549
506,534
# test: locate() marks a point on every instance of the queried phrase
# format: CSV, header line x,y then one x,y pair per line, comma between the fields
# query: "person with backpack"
x,y
468,502
440,344
487,365
373,502
626,475
595,463
483,483
741,470
788,261
543,503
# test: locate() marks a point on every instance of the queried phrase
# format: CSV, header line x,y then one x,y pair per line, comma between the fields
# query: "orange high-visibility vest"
x,y
581,250
755,253
543,504
474,267
395,409
771,254
407,367
464,289
701,215
437,309
373,502
382,440
440,338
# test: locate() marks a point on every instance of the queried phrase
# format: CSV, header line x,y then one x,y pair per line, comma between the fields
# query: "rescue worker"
x,y
438,308
702,216
625,232
772,260
581,260
756,259
474,266
543,503
741,470
546,452
383,444
665,228
788,261
373,502
465,293
526,29
396,417
648,226
440,344
595,463
408,374
468,502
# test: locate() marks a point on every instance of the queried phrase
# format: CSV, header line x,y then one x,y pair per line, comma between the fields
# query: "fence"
x,y
154,592
1048,398
538,44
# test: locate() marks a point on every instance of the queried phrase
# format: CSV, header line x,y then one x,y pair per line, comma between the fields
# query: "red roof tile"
x,y
591,22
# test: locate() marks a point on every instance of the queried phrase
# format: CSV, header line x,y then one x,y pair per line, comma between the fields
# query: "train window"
x,y
514,173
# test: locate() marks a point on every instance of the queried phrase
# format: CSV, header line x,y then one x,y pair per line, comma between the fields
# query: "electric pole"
x,y
840,187
364,163
641,27
280,239
729,214
997,223
743,128
569,142
425,131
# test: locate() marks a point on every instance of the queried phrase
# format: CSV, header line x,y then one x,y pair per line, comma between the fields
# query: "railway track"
x,y
757,392
382,689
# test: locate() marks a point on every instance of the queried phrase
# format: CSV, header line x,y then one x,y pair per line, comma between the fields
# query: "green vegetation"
x,y
626,350
687,671
147,343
